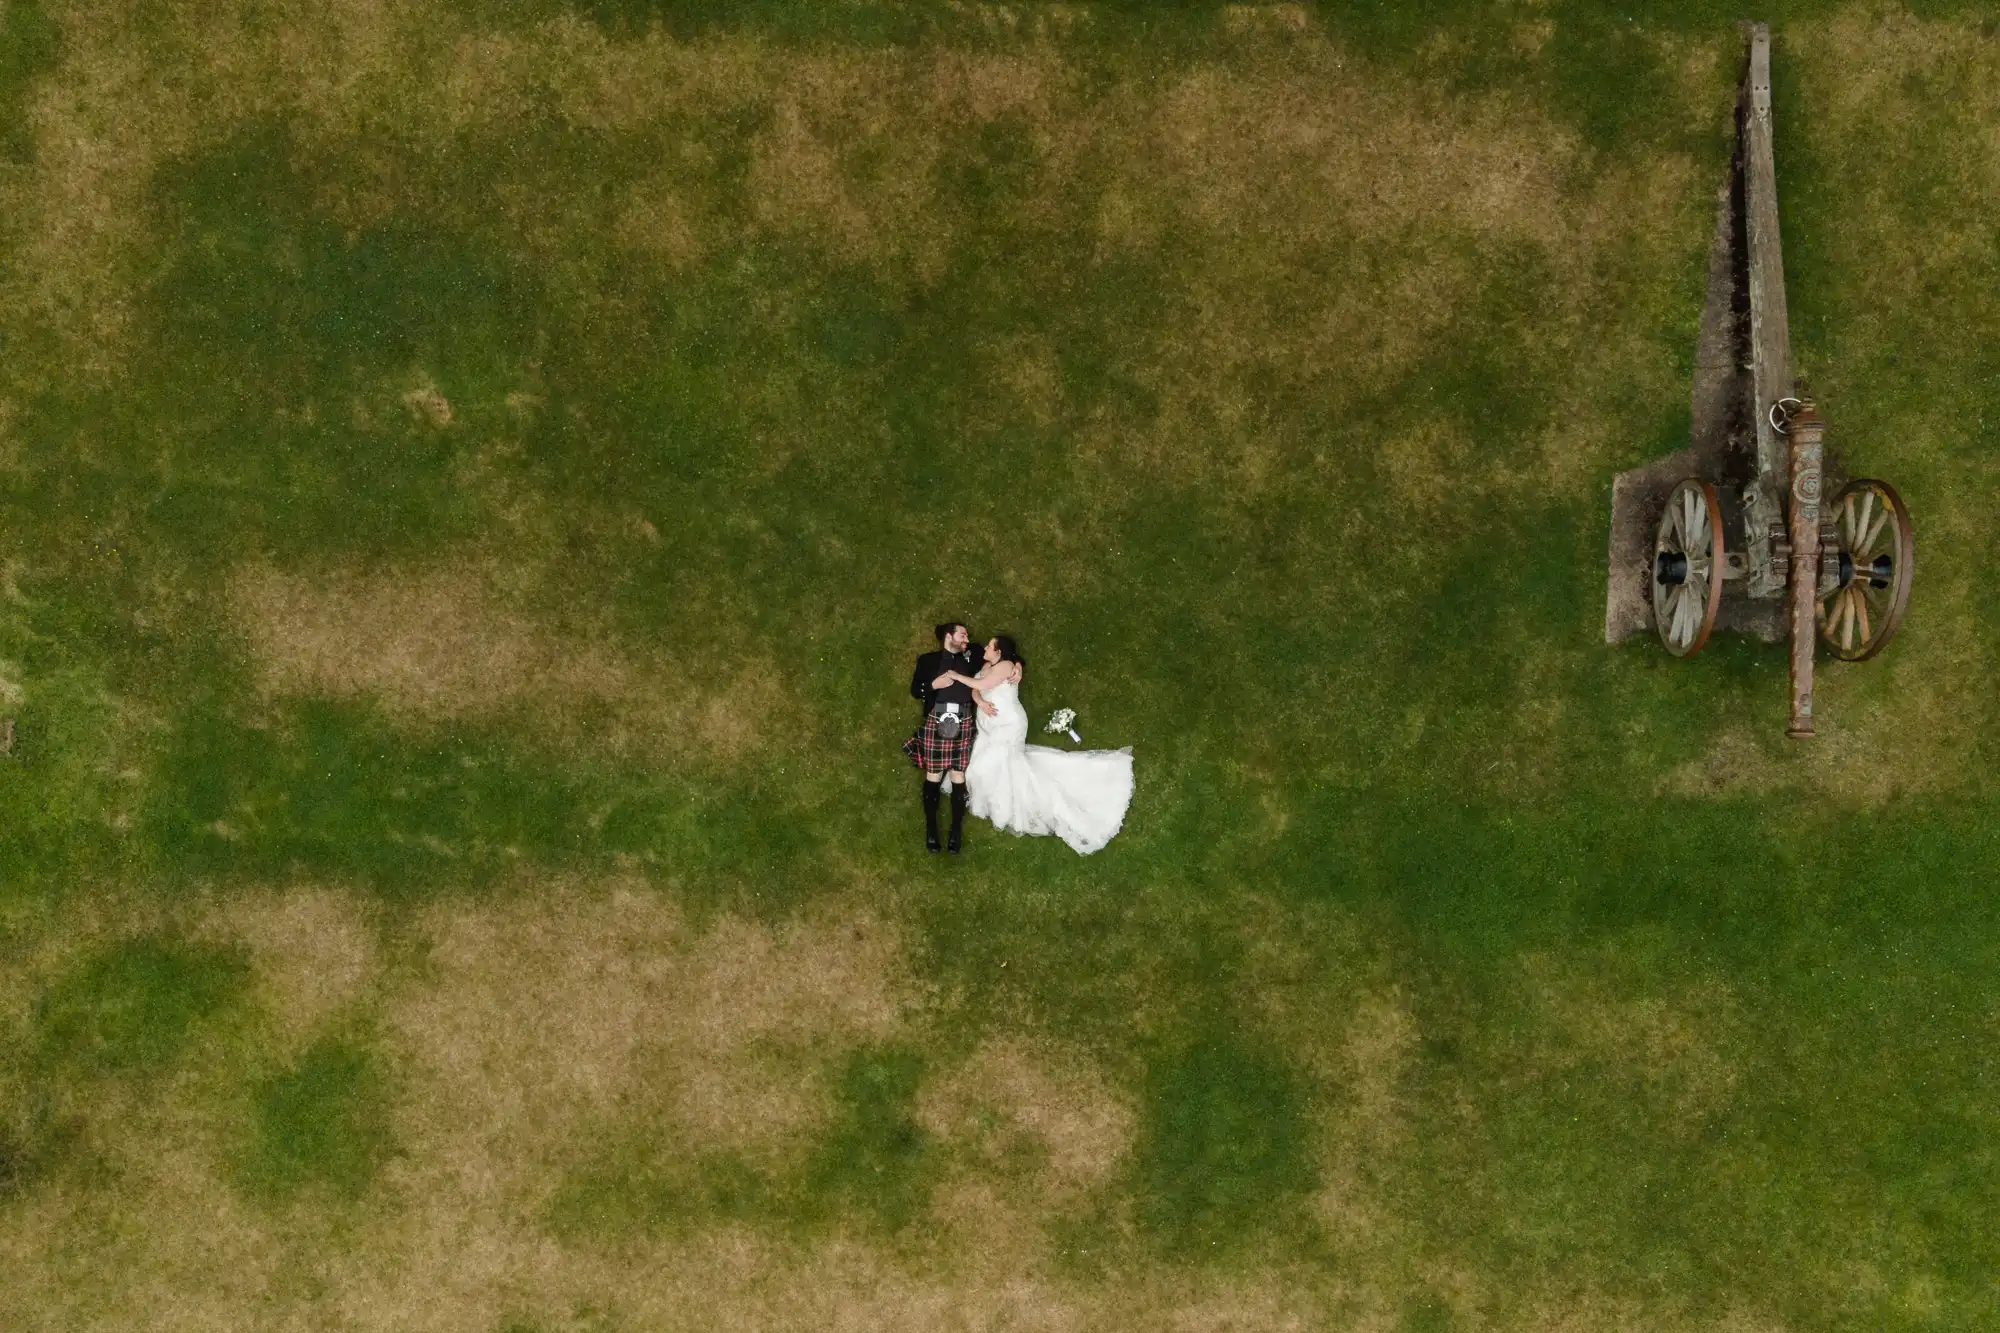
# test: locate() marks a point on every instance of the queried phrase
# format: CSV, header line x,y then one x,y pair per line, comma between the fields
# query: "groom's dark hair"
x,y
947,627
1008,652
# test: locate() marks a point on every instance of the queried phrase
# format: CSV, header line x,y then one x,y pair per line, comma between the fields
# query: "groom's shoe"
x,y
957,818
930,816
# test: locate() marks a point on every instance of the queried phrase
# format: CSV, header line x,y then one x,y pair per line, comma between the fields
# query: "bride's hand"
x,y
988,709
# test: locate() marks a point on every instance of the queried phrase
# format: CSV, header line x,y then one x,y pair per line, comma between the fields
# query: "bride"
x,y
1078,795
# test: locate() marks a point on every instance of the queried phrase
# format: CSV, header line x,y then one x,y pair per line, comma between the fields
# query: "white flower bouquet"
x,y
1064,719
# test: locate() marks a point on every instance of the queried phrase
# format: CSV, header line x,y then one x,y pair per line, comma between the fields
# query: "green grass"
x,y
873,1162
30,45
136,1008
324,1121
1307,504
1222,1156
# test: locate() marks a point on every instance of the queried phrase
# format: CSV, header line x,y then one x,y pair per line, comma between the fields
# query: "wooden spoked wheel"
x,y
1687,568
1875,553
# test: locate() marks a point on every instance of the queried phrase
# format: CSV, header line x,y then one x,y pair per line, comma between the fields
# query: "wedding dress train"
x,y
1078,795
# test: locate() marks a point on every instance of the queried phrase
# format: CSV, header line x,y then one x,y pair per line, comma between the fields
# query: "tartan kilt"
x,y
934,754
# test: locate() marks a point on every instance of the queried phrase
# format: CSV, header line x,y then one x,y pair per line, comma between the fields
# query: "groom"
x,y
944,739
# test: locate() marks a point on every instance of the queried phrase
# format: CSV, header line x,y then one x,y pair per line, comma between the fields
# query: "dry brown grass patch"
x,y
1592,1310
797,183
426,403
188,1252
529,1019
976,87
451,641
101,123
437,643
1381,1036
1427,465
1323,149
544,1018
1027,368
1266,17
1008,1091
1315,147
830,115
1364,1132
655,221
144,1191
1877,50
312,950
1675,1046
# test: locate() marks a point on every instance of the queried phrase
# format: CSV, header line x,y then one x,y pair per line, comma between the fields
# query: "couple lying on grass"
x,y
974,740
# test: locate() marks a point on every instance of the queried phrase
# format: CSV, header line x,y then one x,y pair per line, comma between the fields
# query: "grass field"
x,y
473,476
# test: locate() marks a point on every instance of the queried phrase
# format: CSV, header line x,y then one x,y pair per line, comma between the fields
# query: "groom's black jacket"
x,y
932,665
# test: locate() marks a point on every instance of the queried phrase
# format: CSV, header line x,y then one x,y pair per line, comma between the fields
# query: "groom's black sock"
x,y
930,814
957,813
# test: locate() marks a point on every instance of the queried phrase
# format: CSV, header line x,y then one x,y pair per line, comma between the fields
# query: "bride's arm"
x,y
996,674
988,677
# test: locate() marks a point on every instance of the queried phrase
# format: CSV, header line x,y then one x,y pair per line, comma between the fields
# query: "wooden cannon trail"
x,y
1733,532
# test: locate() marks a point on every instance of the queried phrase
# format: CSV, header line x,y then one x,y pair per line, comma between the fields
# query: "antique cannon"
x,y
1733,532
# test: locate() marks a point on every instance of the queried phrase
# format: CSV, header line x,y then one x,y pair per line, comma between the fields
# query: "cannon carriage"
x,y
1736,532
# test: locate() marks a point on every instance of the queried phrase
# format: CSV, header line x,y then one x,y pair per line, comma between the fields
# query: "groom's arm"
x,y
920,682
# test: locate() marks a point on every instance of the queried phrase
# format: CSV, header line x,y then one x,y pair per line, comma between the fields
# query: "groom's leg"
x,y
931,810
957,811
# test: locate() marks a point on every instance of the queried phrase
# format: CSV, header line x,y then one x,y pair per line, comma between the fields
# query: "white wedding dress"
x,y
1078,795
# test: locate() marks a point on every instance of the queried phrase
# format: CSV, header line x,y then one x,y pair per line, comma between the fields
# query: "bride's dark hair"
x,y
1008,652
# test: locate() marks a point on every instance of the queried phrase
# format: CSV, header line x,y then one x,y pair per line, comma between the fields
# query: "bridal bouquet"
x,y
1064,719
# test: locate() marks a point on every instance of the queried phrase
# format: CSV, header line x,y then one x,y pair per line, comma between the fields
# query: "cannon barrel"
x,y
1770,328
1807,432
